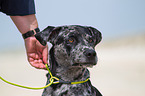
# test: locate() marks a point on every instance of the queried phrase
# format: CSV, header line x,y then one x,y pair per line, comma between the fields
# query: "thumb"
x,y
45,55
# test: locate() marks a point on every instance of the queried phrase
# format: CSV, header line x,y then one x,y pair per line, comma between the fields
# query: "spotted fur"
x,y
72,52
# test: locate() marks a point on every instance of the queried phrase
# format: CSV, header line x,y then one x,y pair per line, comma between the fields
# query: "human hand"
x,y
37,54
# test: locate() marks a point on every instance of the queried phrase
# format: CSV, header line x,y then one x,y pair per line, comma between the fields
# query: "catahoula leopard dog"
x,y
71,53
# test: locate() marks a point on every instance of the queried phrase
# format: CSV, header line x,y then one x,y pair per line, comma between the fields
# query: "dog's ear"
x,y
54,34
95,33
44,35
48,34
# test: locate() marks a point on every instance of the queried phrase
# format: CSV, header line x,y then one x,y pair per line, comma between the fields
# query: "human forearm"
x,y
25,23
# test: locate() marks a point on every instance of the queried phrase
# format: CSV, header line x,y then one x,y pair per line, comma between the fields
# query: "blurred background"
x,y
121,67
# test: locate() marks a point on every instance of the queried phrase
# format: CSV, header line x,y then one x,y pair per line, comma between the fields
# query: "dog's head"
x,y
73,45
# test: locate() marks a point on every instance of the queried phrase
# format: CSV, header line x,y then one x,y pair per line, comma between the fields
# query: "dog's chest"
x,y
74,90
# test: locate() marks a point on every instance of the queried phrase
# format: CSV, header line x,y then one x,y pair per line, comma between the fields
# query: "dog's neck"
x,y
73,73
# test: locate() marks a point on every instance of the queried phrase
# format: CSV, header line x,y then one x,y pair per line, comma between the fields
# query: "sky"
x,y
114,18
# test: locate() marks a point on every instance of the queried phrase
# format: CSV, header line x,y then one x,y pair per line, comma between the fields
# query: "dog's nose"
x,y
90,53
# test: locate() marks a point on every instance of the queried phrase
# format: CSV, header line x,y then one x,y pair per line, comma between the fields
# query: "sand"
x,y
120,70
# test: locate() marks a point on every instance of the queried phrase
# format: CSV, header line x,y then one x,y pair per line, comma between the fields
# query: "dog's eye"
x,y
71,40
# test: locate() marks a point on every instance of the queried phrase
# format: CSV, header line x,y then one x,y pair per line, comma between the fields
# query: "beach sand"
x,y
120,70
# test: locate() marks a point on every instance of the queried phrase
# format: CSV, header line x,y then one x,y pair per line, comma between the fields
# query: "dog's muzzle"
x,y
90,58
90,53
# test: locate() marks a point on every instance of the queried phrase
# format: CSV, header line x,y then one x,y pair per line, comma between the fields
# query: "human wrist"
x,y
30,40
31,33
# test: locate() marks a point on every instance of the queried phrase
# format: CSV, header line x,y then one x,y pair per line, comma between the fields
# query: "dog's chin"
x,y
89,64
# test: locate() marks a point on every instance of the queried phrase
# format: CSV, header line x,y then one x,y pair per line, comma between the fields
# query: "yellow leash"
x,y
51,80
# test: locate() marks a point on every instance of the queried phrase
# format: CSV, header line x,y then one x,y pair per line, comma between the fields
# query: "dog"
x,y
71,53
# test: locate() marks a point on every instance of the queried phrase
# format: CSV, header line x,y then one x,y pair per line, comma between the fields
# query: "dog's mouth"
x,y
89,64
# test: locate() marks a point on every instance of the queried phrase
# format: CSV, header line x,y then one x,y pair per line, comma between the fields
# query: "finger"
x,y
34,60
41,66
39,55
45,55
38,64
33,55
41,62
